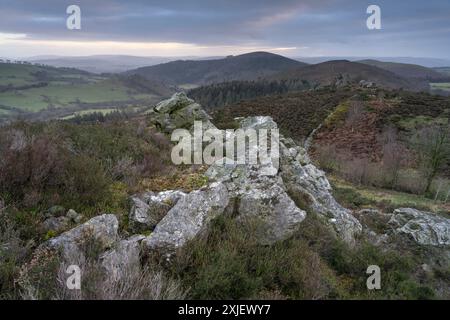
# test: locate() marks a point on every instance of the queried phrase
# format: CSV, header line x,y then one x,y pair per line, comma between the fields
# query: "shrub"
x,y
228,263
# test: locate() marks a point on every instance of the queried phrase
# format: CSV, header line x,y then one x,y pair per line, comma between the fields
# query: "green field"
x,y
59,96
90,111
61,87
440,86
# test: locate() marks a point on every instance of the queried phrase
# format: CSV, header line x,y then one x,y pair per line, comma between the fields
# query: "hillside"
x,y
345,72
249,66
42,92
410,71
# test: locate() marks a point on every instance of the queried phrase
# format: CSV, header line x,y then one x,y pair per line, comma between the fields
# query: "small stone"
x,y
56,211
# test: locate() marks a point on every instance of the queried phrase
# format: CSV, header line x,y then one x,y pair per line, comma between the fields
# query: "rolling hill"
x,y
327,73
188,73
28,90
100,63
410,71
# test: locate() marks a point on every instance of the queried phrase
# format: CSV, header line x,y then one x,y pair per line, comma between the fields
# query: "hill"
x,y
422,61
101,63
346,72
42,92
405,70
248,66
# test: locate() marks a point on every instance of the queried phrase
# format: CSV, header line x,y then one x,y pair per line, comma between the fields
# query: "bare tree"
x,y
392,156
354,114
432,145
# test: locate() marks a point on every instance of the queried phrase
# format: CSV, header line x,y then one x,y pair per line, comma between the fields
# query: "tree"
x,y
355,113
432,145
392,156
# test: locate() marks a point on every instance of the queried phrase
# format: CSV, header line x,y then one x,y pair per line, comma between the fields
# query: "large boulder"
x,y
425,228
102,229
260,194
189,217
124,258
148,209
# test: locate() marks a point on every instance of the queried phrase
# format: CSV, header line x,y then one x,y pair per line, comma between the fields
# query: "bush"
x,y
228,263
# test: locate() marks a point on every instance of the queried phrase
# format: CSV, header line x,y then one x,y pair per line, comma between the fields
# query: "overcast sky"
x,y
219,27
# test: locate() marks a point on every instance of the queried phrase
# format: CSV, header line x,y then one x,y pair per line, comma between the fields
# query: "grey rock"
x,y
123,259
71,214
190,216
264,190
425,228
56,211
74,216
267,187
148,209
261,195
272,206
56,224
103,229
305,181
179,112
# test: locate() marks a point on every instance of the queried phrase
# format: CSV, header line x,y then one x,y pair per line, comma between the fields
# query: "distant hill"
x,y
327,73
17,75
248,66
100,63
421,61
443,70
411,71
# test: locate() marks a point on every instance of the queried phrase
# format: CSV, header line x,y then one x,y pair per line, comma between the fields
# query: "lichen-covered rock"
x,y
56,224
304,181
268,190
56,211
178,112
74,216
124,258
260,194
102,229
425,228
148,209
190,216
272,206
286,181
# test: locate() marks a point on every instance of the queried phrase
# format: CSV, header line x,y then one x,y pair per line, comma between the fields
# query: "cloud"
x,y
310,26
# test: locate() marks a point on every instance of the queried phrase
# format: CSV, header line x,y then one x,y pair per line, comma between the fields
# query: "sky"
x,y
294,28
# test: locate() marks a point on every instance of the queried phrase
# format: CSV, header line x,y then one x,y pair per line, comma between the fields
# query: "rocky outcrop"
x,y
277,192
307,185
178,112
189,217
102,229
149,208
425,228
